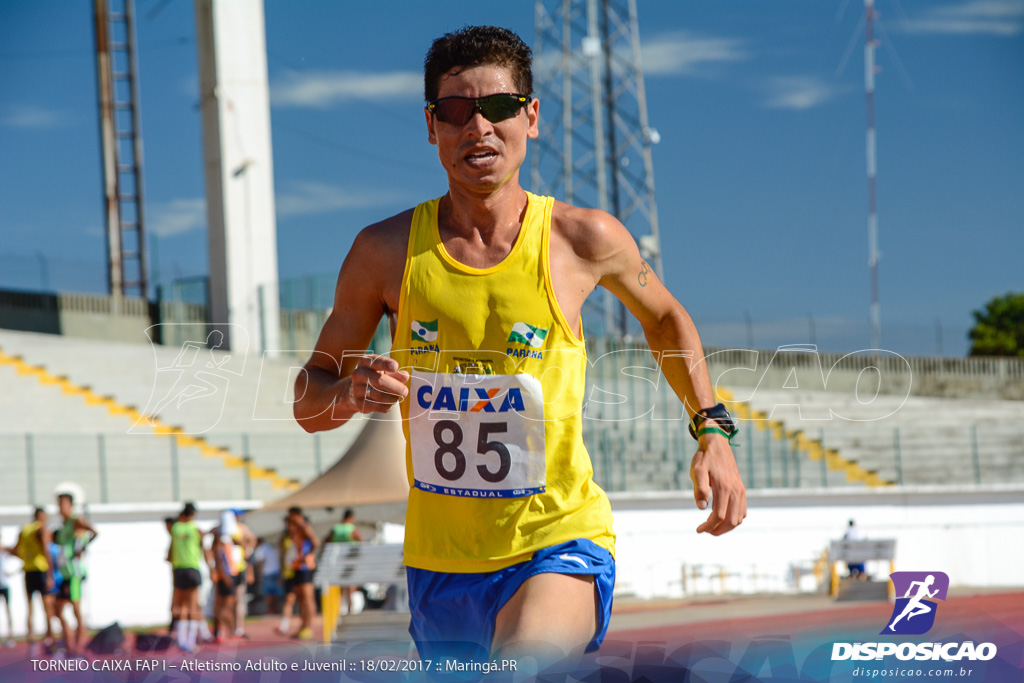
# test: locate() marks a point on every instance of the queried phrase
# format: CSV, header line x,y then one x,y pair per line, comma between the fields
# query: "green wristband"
x,y
715,430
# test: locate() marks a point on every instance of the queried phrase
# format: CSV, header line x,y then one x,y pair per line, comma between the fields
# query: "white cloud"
x,y
986,17
176,216
31,116
799,92
324,88
684,54
309,197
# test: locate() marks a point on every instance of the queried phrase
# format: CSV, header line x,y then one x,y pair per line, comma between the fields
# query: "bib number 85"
x,y
450,447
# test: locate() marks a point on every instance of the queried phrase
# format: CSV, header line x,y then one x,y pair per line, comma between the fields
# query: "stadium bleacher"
x,y
134,422
84,409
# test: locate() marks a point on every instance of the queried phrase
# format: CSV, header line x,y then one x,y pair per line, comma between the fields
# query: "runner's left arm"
x,y
617,265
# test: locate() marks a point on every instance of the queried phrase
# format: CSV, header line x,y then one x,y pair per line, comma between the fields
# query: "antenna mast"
x,y
869,87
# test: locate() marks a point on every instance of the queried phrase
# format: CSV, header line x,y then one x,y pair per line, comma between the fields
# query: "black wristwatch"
x,y
719,414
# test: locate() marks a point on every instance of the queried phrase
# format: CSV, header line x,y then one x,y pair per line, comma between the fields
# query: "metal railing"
x,y
640,455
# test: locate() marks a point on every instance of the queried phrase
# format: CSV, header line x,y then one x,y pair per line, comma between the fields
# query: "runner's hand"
x,y
375,385
713,471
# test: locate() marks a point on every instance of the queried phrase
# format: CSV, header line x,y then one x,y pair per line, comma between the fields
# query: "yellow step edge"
x,y
234,462
855,473
47,378
209,451
165,429
257,472
836,464
187,441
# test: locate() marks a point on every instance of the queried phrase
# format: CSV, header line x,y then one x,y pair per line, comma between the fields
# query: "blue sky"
x,y
760,172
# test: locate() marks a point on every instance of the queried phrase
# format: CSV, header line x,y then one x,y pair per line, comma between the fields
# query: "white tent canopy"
x,y
370,474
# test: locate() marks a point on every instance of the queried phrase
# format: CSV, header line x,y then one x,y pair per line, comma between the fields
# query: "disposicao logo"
x,y
914,614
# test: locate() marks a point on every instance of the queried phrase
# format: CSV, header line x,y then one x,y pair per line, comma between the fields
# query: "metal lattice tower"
x,y
121,140
594,148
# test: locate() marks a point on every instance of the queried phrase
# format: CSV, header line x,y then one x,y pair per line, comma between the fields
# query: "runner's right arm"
x,y
339,380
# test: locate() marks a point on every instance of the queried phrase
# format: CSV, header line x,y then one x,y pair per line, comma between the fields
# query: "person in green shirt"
x,y
185,554
346,532
72,537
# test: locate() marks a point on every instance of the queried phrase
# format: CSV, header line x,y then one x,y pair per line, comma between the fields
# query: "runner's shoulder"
x,y
385,239
592,234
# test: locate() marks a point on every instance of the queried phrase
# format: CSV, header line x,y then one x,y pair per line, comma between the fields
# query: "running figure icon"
x,y
916,607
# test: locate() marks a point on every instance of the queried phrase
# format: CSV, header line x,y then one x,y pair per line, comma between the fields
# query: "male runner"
x,y
508,540
186,553
72,537
31,547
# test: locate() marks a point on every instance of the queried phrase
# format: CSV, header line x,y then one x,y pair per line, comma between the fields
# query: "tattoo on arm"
x,y
644,271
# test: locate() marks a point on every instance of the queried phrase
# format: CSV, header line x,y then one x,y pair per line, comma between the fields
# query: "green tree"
x,y
999,328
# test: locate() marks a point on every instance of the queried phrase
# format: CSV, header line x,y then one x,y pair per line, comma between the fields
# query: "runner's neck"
x,y
483,219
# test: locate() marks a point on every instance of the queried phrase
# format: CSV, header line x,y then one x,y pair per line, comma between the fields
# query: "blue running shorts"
x,y
453,614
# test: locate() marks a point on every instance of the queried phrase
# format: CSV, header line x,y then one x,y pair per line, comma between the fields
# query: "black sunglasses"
x,y
459,110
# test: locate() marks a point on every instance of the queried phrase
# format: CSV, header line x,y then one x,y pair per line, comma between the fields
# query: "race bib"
x,y
477,436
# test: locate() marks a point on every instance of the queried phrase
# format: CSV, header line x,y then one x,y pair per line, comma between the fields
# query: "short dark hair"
x,y
188,510
71,499
348,513
39,511
295,510
477,46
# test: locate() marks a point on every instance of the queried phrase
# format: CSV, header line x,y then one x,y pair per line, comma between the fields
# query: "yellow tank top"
x,y
31,549
493,422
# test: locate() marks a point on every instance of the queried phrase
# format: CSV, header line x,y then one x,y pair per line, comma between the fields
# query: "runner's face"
x,y
482,155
